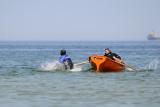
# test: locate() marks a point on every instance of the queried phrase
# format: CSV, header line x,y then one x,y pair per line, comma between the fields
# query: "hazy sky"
x,y
78,19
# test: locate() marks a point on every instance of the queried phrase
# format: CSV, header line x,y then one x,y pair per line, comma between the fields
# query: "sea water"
x,y
30,75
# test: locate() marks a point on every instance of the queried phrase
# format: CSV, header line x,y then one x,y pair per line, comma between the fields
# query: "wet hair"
x,y
108,49
63,52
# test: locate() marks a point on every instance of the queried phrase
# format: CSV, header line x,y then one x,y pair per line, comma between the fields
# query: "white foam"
x,y
57,66
76,69
52,66
154,64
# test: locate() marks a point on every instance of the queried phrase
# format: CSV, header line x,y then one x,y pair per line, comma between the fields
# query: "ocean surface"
x,y
29,76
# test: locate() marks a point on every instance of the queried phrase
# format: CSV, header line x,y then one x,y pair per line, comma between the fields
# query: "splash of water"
x,y
57,66
76,69
52,66
153,65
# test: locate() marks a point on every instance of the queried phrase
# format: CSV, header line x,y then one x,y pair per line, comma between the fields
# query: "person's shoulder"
x,y
66,56
114,54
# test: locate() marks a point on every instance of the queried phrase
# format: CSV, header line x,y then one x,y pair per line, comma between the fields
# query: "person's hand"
x,y
118,60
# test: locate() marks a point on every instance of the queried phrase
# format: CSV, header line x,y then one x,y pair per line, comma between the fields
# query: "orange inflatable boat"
x,y
104,64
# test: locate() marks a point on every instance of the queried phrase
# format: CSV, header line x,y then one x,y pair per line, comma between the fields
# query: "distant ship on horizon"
x,y
153,36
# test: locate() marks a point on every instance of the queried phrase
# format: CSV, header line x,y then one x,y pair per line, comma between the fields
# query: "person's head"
x,y
107,51
63,52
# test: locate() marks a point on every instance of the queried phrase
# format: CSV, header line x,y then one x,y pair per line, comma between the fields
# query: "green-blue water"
x,y
23,83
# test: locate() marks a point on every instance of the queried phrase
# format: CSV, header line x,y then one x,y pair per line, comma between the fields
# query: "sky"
x,y
78,20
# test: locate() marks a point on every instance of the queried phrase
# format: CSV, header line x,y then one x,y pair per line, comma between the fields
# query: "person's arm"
x,y
117,59
109,56
61,59
116,55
